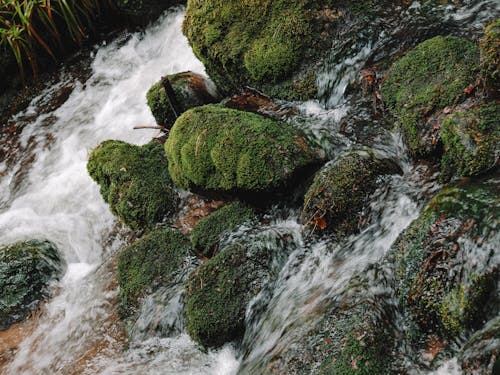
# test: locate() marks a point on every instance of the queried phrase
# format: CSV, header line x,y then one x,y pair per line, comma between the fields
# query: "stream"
x,y
47,193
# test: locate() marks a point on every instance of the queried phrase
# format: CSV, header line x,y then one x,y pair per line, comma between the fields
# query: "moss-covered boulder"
x,y
206,234
221,150
143,11
134,181
481,354
176,93
471,141
26,270
423,82
339,193
155,260
490,51
218,292
445,261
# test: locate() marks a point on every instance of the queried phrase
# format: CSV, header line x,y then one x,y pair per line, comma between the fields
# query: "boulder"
x,y
446,265
490,52
26,271
176,93
212,149
134,181
422,83
340,191
471,141
206,235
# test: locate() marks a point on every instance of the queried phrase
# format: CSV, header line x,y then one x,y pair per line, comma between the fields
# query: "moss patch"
x,y
427,79
154,260
212,148
134,181
490,50
26,269
207,233
340,190
471,141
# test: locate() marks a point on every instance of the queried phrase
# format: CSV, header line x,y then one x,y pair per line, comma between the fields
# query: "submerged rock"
x,y
481,354
340,190
26,270
446,262
206,234
471,141
427,79
218,292
176,93
155,260
134,181
221,150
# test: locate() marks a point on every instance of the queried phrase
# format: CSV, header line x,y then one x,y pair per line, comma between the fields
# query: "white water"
x,y
59,201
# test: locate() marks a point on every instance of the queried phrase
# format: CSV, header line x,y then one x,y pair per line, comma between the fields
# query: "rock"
x,y
253,101
427,79
193,209
471,141
446,267
218,292
187,90
26,270
142,11
490,51
336,198
207,233
212,149
155,260
481,354
134,181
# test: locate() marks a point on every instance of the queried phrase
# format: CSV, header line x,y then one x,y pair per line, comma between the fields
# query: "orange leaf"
x,y
320,222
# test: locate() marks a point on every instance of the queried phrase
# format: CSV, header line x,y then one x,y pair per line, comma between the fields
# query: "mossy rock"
x,y
218,292
471,141
339,192
143,11
350,335
446,270
189,90
490,51
423,82
206,234
221,150
134,181
155,260
26,270
481,354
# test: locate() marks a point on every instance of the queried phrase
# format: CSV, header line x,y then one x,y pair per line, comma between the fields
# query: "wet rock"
x,y
336,198
155,260
471,141
194,209
490,52
212,149
218,292
427,79
481,354
445,262
142,11
252,101
176,93
26,270
134,181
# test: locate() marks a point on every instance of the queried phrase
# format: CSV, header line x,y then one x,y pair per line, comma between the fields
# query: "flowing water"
x,y
46,193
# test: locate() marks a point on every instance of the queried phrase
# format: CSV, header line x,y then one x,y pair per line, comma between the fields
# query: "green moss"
x,y
339,191
471,141
154,260
218,149
160,106
26,269
207,233
444,293
490,50
251,41
427,79
134,181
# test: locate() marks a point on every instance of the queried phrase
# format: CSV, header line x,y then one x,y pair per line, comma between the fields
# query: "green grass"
x,y
28,27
